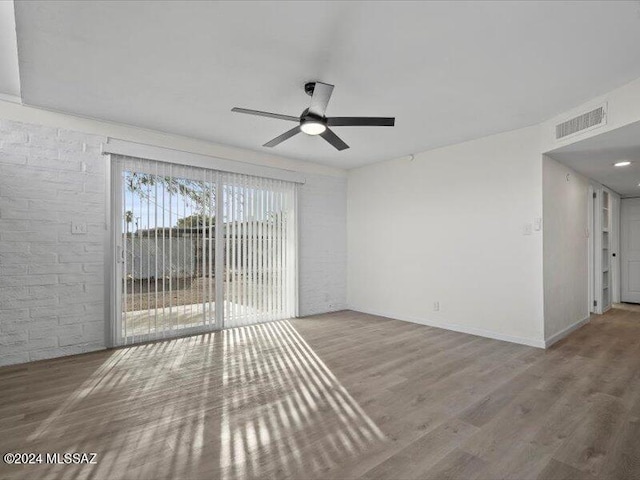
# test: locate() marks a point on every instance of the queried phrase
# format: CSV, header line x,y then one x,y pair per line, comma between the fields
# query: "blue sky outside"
x,y
155,206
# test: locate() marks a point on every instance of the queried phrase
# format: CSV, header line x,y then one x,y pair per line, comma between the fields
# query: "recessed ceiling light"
x,y
621,164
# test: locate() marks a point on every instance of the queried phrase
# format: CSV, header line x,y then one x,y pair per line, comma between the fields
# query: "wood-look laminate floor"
x,y
343,395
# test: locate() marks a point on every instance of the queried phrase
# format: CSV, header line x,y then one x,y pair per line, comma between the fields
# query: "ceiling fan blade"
x,y
286,135
333,139
361,121
320,98
265,114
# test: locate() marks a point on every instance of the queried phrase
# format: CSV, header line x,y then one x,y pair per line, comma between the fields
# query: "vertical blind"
x,y
259,249
199,249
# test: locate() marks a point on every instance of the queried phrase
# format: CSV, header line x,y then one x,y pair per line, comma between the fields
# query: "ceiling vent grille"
x,y
581,123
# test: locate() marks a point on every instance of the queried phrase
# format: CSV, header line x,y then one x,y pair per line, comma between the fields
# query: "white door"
x,y
630,245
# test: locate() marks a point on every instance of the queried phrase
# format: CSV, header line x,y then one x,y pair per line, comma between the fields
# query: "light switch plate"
x,y
527,229
537,224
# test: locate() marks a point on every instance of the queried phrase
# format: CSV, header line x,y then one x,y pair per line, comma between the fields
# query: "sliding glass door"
x,y
199,250
259,249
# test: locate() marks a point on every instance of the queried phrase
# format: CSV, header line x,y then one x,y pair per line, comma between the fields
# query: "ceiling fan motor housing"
x,y
313,120
308,88
312,124
307,116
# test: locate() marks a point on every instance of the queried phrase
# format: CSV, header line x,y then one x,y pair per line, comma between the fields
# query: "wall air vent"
x,y
587,121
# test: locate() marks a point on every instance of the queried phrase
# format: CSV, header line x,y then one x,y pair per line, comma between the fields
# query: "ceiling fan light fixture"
x,y
313,127
313,120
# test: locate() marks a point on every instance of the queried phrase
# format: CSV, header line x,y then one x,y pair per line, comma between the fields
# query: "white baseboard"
x,y
457,328
321,310
563,333
10,98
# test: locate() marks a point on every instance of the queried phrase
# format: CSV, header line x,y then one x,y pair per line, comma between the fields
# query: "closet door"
x,y
630,246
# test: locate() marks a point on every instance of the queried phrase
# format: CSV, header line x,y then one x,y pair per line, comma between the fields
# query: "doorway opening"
x,y
610,165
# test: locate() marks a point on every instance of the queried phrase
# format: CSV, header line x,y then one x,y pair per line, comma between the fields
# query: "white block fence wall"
x,y
52,282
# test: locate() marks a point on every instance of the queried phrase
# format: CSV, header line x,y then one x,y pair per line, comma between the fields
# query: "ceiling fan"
x,y
313,121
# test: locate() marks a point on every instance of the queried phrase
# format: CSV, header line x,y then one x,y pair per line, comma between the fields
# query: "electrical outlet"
x,y
78,228
436,306
527,229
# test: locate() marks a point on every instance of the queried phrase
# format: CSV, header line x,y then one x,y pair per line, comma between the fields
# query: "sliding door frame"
x,y
115,261
117,252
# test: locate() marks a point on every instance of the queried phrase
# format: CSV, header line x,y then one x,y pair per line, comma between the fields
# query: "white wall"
x,y
448,227
52,283
323,244
566,270
435,234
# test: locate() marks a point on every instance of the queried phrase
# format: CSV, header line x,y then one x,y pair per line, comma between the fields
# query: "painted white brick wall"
x,y
322,204
52,282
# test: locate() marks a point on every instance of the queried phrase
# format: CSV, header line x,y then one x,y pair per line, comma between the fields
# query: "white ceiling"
x,y
594,157
449,71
